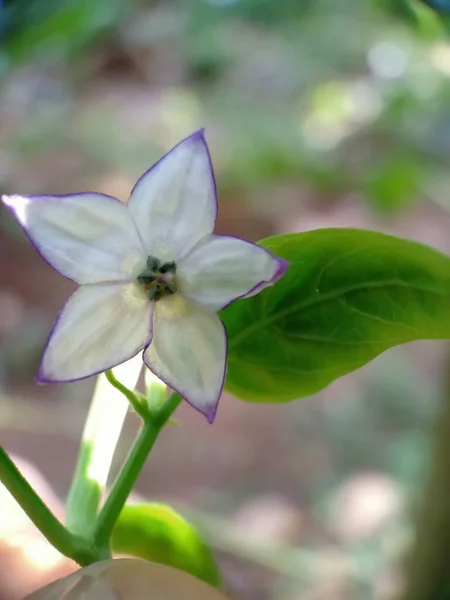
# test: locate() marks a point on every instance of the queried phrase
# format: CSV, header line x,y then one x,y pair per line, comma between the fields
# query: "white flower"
x,y
152,276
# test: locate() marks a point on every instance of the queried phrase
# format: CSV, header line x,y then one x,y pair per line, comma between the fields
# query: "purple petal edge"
x,y
197,135
42,379
211,412
281,270
14,211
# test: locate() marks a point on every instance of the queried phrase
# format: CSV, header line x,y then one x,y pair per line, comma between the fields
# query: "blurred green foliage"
x,y
286,93
56,30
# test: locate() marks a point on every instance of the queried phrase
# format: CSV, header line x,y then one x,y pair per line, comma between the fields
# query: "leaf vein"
x,y
319,339
377,318
326,297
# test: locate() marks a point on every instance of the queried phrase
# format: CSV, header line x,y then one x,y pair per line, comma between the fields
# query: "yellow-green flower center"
x,y
158,279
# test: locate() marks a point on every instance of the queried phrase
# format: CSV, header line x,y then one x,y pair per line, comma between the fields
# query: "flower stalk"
x,y
66,542
101,433
130,471
86,538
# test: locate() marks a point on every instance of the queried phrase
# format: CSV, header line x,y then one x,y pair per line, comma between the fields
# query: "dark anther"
x,y
169,267
146,279
158,279
170,288
153,264
155,294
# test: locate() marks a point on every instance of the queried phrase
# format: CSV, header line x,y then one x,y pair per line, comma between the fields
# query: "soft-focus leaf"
x,y
130,579
438,5
54,28
347,296
393,184
157,533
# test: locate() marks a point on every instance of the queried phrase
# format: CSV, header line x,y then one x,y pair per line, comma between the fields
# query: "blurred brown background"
x,y
318,114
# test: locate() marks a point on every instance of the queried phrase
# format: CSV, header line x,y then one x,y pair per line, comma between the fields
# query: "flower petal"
x,y
188,352
88,238
100,326
221,269
174,204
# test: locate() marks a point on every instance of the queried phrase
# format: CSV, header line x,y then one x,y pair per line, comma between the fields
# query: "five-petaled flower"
x,y
152,276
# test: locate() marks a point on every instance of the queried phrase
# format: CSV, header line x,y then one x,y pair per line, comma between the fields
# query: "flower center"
x,y
158,279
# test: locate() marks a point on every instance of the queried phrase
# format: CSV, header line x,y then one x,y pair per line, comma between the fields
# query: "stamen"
x,y
171,288
158,279
169,267
146,279
153,264
155,294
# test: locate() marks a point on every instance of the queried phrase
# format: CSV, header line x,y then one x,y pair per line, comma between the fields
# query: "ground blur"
x,y
318,114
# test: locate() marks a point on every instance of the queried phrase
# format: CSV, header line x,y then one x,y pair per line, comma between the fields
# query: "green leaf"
x,y
157,533
347,296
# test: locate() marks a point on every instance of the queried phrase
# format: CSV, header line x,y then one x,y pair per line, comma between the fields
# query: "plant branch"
x,y
69,544
130,471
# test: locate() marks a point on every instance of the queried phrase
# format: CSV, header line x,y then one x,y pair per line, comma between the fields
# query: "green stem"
x,y
101,433
129,395
61,538
130,472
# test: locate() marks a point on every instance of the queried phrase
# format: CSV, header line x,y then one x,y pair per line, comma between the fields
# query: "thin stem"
x,y
59,536
129,395
130,471
101,433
